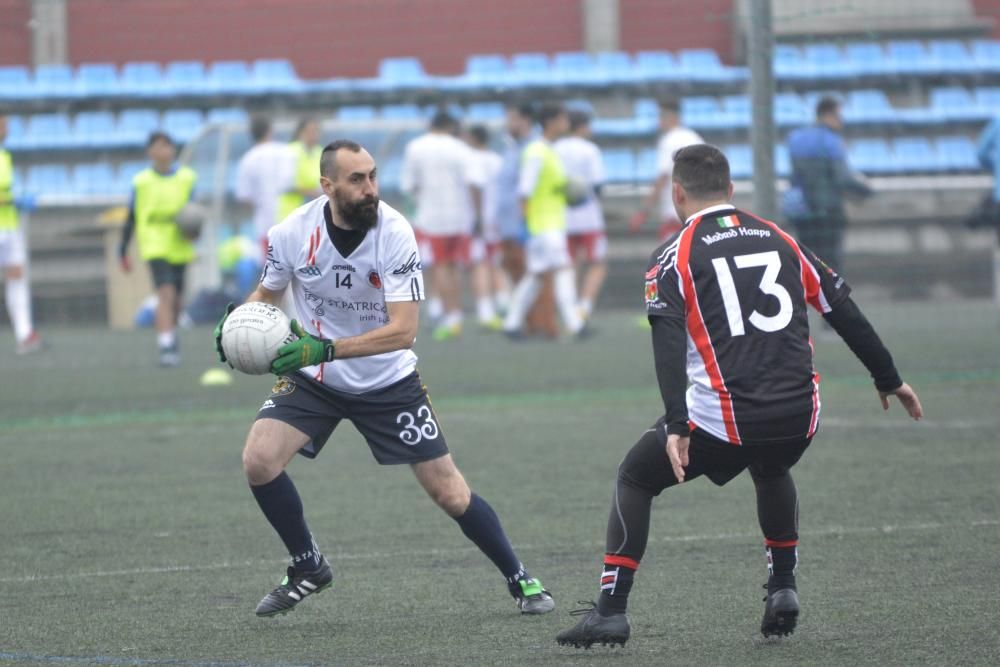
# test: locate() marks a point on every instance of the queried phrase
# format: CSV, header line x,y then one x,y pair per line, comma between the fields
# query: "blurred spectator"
x,y
306,152
820,180
588,242
674,137
263,176
989,157
488,278
439,173
542,188
14,256
159,193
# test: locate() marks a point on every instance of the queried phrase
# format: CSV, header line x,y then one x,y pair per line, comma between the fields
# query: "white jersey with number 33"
x,y
338,297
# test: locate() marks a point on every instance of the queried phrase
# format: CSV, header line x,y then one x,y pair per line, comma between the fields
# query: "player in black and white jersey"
x,y
727,298
352,266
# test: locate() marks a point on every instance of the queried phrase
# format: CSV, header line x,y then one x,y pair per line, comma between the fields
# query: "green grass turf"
x,y
129,536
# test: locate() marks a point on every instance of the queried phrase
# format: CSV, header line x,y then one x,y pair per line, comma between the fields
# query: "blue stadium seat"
x,y
394,73
278,76
98,80
183,124
736,111
953,104
702,65
950,56
702,112
124,174
619,165
868,106
484,111
530,69
871,156
135,125
988,100
616,67
231,77
645,165
825,61
49,180
791,110
486,71
740,160
782,161
226,116
48,131
402,112
865,59
15,132
186,77
788,61
15,83
576,68
55,81
94,179
986,55
957,154
656,66
142,79
95,129
356,113
390,173
908,57
914,154
580,104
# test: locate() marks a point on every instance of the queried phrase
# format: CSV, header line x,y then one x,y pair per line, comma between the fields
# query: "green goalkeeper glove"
x,y
218,332
306,351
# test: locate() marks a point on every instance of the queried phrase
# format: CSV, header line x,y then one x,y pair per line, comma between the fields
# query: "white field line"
x,y
885,529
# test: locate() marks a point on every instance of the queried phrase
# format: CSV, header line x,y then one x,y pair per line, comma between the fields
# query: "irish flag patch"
x,y
728,221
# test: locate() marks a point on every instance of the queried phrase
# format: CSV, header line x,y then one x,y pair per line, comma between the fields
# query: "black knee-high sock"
x,y
778,514
628,532
280,502
482,525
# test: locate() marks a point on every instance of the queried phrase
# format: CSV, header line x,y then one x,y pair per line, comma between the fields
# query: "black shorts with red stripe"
x,y
646,465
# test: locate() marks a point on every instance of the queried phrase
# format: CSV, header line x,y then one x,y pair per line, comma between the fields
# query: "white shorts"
x,y
547,252
13,249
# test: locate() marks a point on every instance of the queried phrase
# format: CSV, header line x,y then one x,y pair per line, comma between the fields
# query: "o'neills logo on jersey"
x,y
343,267
411,264
374,280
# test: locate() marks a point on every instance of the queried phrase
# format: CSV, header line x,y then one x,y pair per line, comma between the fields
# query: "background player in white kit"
x,y
588,242
673,138
438,174
488,277
264,173
354,271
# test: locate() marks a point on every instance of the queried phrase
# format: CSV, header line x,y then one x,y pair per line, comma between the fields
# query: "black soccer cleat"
x,y
781,612
294,588
595,629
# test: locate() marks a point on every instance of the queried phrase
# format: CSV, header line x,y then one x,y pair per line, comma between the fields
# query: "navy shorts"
x,y
165,273
397,421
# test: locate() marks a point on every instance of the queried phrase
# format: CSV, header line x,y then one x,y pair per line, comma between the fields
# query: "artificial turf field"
x,y
129,536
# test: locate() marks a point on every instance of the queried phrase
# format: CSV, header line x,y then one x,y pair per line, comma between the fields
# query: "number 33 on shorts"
x,y
417,427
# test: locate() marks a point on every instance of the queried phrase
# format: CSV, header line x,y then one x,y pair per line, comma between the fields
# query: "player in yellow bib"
x,y
305,183
159,192
14,256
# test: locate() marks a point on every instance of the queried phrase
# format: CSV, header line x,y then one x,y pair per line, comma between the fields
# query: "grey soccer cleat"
x,y
531,597
294,588
595,629
781,612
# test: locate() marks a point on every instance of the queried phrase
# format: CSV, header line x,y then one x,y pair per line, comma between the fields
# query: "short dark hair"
x,y
259,127
549,112
480,134
702,170
578,119
827,104
328,160
303,123
442,120
670,104
523,109
159,135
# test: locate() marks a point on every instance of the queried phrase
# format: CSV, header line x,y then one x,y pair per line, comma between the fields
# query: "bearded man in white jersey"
x,y
354,271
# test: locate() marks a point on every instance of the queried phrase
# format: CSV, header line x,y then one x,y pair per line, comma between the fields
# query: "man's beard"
x,y
360,215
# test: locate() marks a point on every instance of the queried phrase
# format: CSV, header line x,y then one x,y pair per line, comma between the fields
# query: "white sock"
x,y
521,301
435,308
586,307
565,288
166,338
452,319
19,307
502,299
485,309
